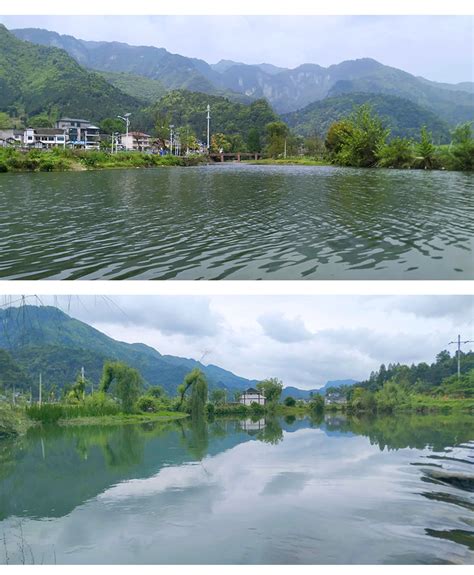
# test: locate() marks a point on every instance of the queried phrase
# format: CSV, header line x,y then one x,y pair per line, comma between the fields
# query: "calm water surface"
x,y
237,222
278,491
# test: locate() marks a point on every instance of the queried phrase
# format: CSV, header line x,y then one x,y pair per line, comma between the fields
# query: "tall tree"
x,y
271,388
126,381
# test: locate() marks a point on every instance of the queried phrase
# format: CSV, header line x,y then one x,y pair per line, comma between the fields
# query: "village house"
x,y
80,133
43,138
11,137
136,141
335,399
251,395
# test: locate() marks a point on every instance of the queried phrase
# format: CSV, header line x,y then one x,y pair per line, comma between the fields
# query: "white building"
x,y
136,141
80,133
250,396
43,137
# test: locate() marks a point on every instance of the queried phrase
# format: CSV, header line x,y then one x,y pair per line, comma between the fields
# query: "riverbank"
x,y
124,419
292,161
60,160
416,405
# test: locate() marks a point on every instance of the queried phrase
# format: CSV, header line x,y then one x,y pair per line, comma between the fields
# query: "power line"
x,y
458,342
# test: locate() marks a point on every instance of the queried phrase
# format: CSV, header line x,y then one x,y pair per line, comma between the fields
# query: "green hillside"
x,y
182,108
12,376
286,89
403,117
141,88
36,79
45,339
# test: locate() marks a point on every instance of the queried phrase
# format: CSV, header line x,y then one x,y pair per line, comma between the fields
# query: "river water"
x,y
383,490
237,222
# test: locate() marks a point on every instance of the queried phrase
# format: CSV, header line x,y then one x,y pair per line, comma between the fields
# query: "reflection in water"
x,y
329,489
237,222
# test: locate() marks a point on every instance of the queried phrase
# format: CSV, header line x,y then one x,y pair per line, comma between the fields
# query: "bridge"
x,y
234,156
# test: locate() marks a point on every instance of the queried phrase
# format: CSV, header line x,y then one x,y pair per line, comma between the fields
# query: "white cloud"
x,y
303,340
283,329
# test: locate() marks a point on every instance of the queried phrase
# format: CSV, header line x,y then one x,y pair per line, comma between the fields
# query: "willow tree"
x,y
195,380
126,382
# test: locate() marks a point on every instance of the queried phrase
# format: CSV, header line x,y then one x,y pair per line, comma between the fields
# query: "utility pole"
x,y
458,342
208,126
284,150
171,138
40,389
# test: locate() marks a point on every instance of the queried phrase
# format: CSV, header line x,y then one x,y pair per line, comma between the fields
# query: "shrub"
x,y
289,401
257,408
46,413
232,409
147,403
210,410
398,153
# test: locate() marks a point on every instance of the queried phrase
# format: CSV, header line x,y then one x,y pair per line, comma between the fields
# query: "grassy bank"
x,y
291,161
60,160
122,419
415,404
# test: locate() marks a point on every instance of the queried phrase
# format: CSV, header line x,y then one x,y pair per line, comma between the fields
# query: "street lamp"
x,y
126,119
208,122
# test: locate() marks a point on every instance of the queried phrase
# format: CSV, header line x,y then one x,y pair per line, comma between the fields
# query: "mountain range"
x,y
36,79
285,89
44,339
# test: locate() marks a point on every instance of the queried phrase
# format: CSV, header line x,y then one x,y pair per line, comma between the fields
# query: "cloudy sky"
x,y
437,47
303,340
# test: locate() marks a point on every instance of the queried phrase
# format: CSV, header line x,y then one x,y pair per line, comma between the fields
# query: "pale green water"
x,y
237,222
295,491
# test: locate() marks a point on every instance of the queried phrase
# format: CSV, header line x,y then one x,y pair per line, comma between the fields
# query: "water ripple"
x,y
237,222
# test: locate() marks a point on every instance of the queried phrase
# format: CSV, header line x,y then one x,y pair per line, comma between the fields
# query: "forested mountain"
x,y
437,377
44,339
286,89
403,117
36,79
11,374
183,108
297,393
144,89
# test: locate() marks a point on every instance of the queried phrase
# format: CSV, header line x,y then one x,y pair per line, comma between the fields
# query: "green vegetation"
x,y
403,117
239,123
13,420
418,388
360,140
59,160
271,389
285,89
126,383
43,80
140,88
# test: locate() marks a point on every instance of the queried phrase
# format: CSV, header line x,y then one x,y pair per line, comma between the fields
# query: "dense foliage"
x,y
402,117
45,339
417,387
125,382
286,89
360,140
38,79
182,108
